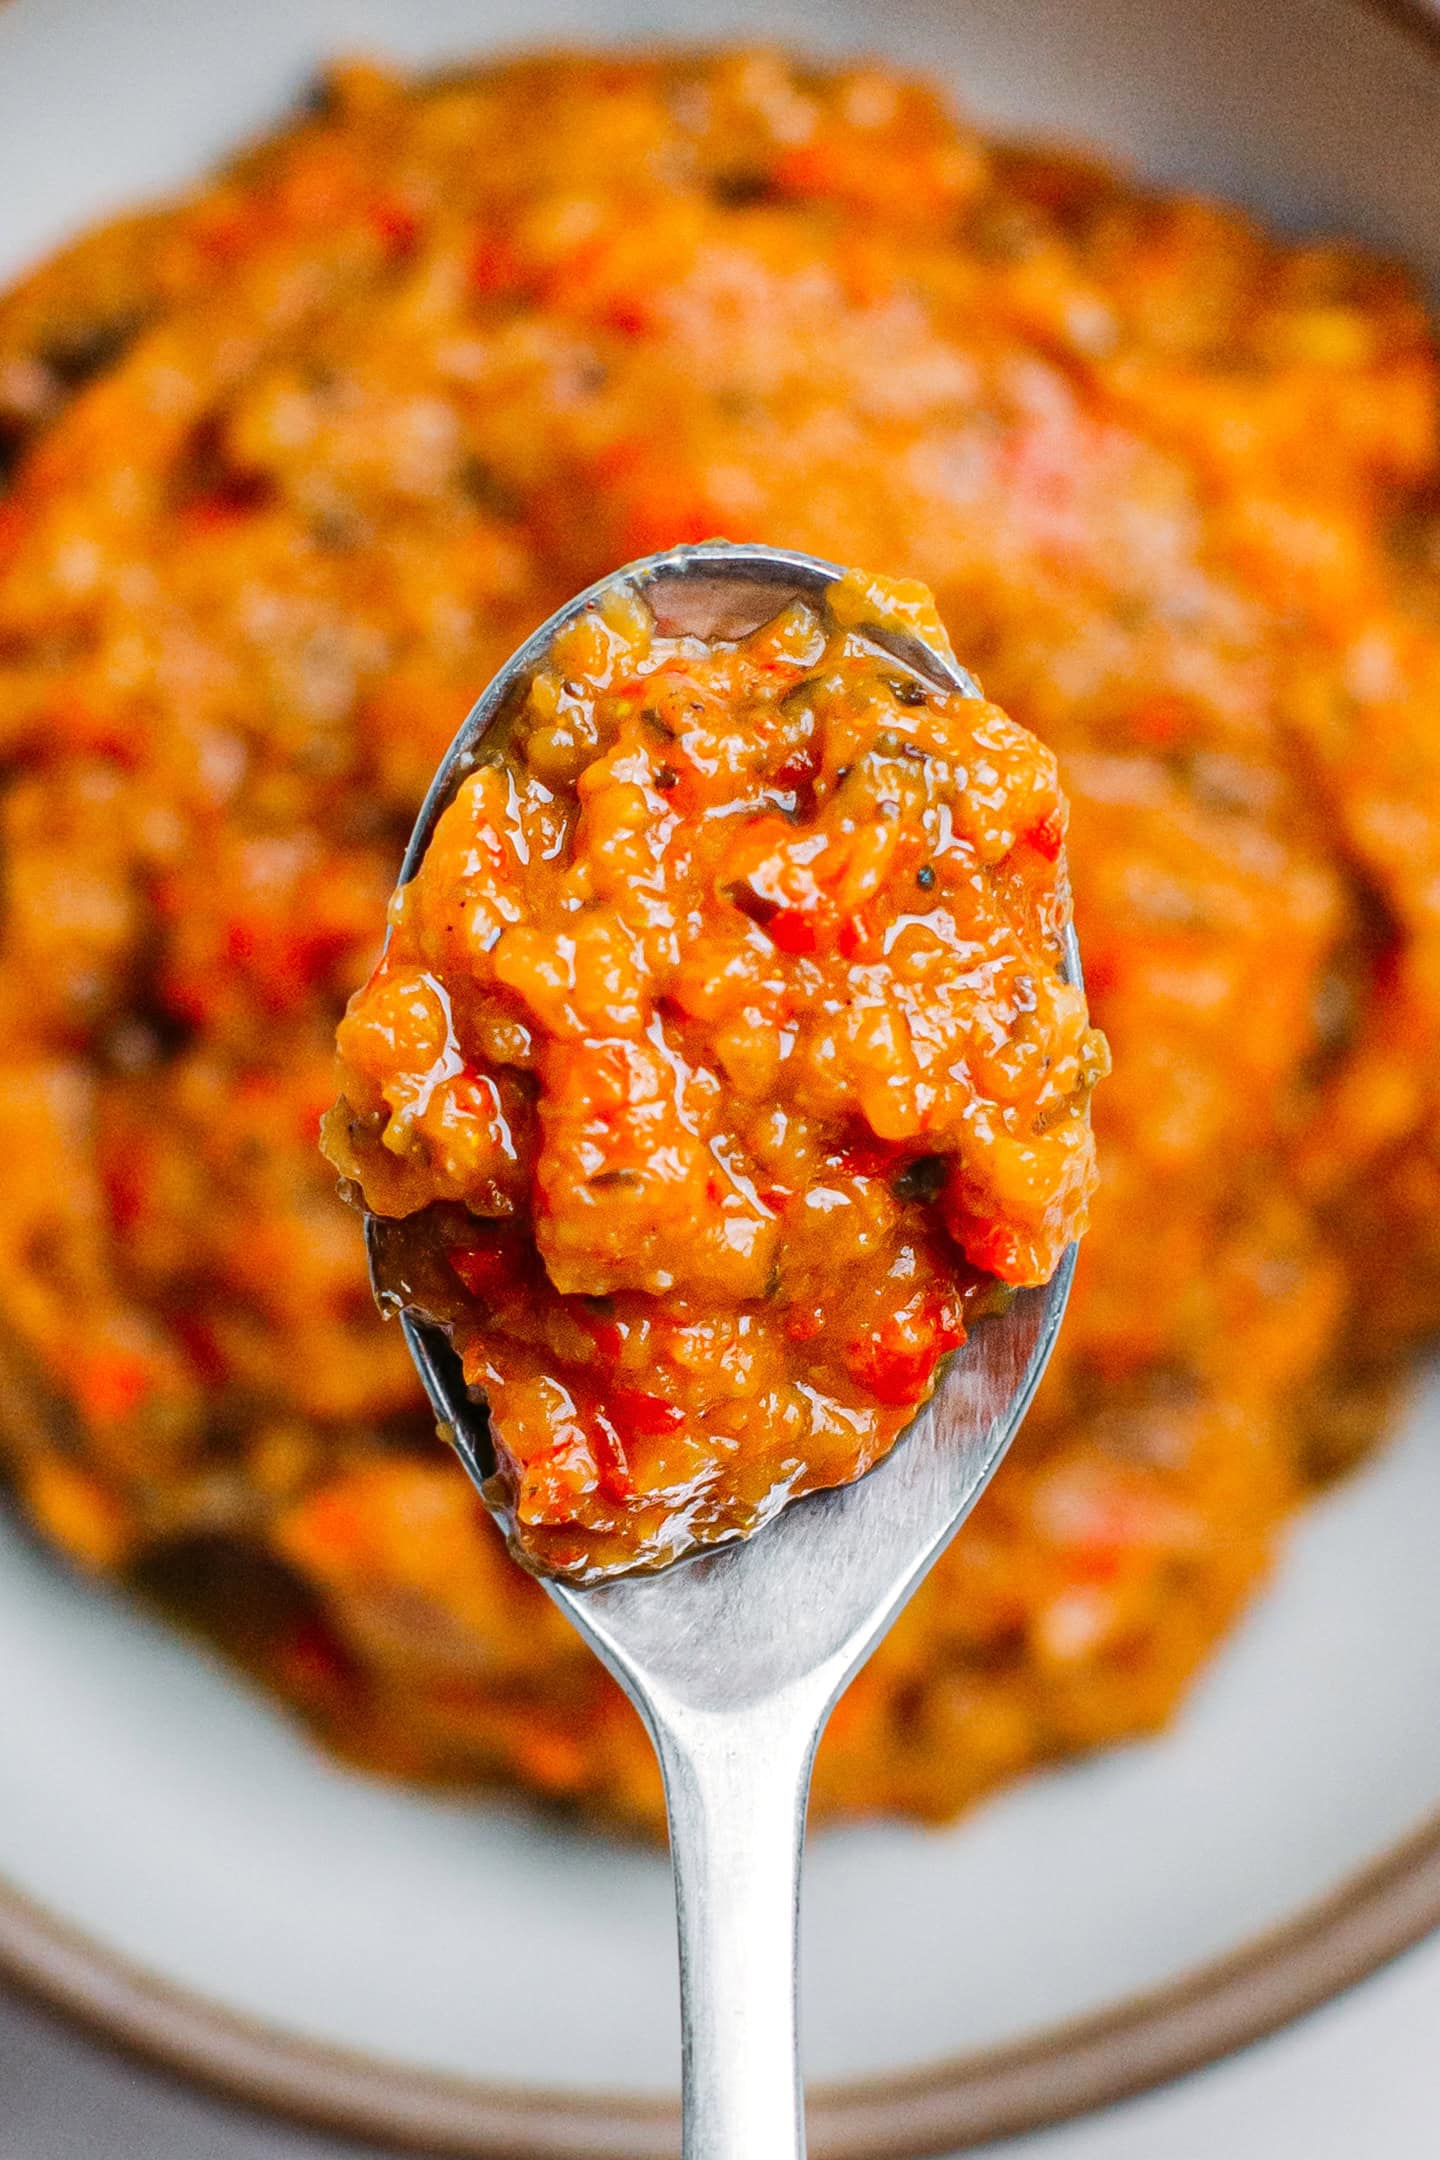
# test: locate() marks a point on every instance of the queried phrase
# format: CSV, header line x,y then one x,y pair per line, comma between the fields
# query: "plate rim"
x,y
1068,2069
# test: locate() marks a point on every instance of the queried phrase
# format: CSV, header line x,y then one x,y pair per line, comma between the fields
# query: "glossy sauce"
x,y
719,1066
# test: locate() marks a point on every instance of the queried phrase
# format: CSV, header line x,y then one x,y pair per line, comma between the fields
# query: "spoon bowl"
x,y
735,1656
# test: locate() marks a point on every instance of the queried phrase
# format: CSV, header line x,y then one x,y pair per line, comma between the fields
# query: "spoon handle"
x,y
736,1784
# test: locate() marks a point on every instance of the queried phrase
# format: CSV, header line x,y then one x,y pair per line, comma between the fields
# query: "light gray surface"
x,y
61,2098
1355,2082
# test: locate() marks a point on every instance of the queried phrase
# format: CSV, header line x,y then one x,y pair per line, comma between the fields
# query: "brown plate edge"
x,y
1418,19
1087,2063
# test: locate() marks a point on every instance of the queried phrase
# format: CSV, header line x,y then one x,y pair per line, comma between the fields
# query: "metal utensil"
x,y
734,1658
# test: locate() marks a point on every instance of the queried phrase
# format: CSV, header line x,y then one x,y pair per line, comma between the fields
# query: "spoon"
x,y
735,1657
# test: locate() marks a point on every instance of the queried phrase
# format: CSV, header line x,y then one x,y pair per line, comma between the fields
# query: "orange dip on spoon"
x,y
720,1066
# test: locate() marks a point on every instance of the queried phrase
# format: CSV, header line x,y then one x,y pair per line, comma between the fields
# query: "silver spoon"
x,y
735,1658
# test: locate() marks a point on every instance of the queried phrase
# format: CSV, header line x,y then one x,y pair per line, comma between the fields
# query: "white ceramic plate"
x,y
154,1806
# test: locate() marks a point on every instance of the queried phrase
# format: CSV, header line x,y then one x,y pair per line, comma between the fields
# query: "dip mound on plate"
x,y
296,461
720,1064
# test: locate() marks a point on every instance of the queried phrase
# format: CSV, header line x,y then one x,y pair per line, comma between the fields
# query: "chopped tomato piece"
x,y
641,1416
792,931
496,271
617,1481
398,227
896,1360
112,1384
486,1271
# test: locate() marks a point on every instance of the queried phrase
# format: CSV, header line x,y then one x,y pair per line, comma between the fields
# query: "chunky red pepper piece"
x,y
896,1361
638,1416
